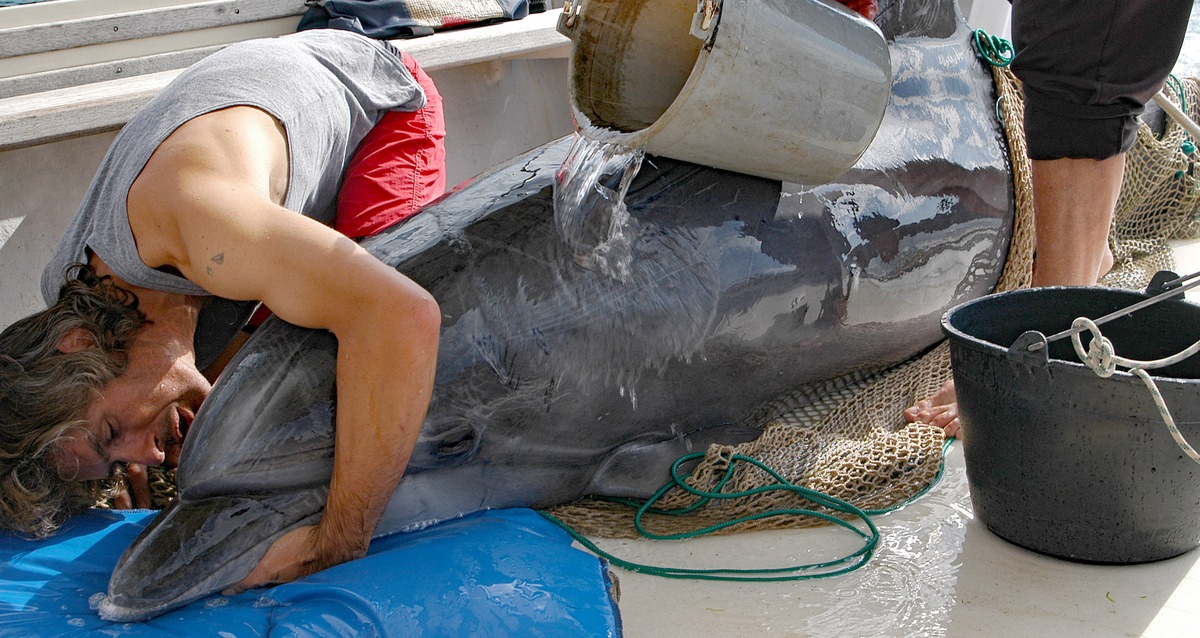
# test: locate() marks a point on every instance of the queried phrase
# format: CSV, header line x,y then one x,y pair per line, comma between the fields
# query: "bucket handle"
x,y
569,18
1032,348
704,21
1164,284
1103,360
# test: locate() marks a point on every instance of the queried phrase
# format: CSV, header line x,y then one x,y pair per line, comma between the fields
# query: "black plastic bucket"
x,y
1064,462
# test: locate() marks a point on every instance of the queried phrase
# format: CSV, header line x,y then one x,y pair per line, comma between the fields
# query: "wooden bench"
x,y
71,100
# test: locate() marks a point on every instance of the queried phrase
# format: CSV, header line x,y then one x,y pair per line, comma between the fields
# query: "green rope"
x,y
825,569
1187,146
994,50
997,52
1177,87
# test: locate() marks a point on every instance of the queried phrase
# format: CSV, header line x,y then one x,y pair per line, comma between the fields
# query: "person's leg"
x,y
1074,200
1088,69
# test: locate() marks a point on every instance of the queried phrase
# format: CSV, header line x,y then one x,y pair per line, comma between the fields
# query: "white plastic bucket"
x,y
787,89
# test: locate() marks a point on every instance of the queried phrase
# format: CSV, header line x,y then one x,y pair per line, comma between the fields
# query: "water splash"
x,y
216,602
95,599
631,391
589,204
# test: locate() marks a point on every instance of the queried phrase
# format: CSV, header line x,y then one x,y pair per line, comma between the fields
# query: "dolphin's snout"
x,y
197,547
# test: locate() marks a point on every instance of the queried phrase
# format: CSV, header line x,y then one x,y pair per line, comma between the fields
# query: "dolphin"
x,y
556,380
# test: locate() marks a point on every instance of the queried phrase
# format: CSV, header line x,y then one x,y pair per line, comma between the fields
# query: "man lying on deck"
x,y
222,188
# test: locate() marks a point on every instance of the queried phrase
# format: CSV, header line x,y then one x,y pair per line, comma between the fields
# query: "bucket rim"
x,y
957,337
642,137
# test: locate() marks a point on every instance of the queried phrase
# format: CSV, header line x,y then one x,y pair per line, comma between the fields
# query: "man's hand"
x,y
294,555
135,489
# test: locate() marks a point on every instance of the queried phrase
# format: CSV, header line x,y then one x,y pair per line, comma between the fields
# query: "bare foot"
x,y
941,410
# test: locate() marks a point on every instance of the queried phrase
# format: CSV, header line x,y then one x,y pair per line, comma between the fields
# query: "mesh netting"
x,y
1159,198
847,438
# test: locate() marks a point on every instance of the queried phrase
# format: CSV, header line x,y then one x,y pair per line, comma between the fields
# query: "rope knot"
x,y
994,50
1099,356
1103,361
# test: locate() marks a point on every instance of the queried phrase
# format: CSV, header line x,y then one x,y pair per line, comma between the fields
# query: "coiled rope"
x,y
809,571
997,52
825,569
992,49
1102,359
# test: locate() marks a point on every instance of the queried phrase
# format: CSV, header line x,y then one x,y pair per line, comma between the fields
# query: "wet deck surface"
x,y
938,572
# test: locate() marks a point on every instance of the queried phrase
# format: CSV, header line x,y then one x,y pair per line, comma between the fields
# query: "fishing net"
x,y
1160,197
847,438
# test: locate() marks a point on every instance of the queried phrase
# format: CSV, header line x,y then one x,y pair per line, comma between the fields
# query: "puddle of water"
x,y
910,581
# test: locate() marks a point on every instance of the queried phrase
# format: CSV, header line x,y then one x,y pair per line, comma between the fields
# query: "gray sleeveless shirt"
x,y
327,87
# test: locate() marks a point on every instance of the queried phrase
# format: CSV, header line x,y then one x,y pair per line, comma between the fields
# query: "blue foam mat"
x,y
498,573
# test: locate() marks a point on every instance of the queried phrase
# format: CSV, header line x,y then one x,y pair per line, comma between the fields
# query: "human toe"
x,y
915,412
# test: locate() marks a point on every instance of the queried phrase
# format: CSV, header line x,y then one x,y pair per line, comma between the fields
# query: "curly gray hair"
x,y
45,392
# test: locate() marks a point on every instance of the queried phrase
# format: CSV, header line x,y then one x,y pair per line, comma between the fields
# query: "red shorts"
x,y
399,166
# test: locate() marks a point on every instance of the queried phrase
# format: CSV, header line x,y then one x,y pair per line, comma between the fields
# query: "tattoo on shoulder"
x,y
217,259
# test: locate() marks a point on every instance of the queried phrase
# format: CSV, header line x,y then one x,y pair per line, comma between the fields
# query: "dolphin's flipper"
x,y
194,548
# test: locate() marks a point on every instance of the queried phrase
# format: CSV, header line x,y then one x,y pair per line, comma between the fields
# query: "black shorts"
x,y
1089,67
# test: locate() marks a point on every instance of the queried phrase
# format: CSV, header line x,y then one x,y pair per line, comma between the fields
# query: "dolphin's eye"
x,y
463,442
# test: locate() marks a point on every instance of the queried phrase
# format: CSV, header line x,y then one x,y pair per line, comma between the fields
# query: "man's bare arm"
x,y
222,231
